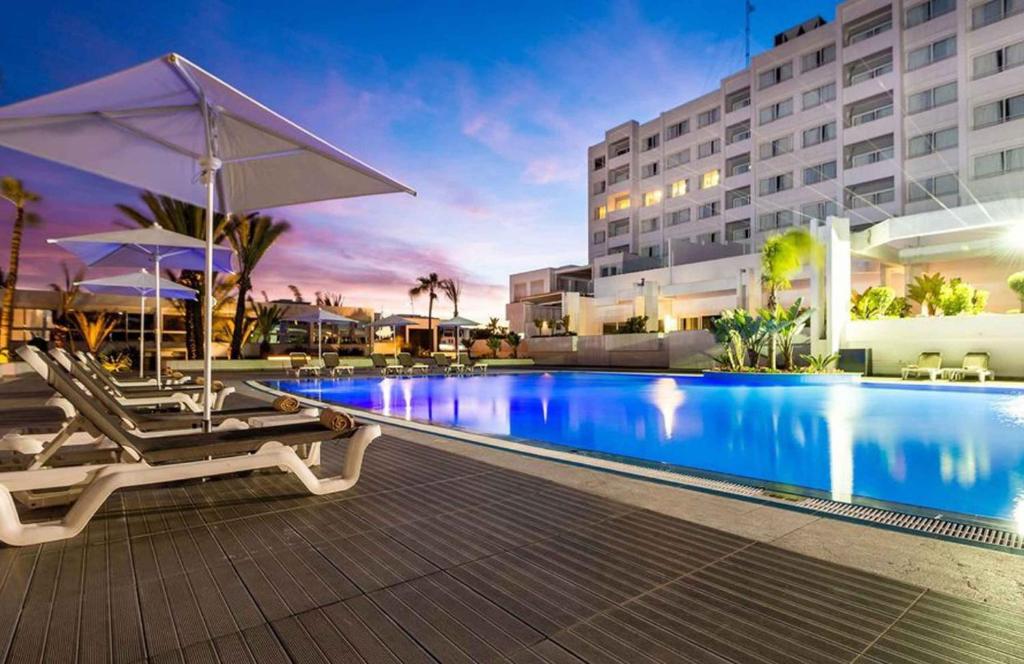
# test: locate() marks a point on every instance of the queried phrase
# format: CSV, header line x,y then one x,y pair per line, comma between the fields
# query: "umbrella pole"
x,y
142,337
159,319
320,340
208,176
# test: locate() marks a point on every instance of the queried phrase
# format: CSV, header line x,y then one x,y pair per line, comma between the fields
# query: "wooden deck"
x,y
438,557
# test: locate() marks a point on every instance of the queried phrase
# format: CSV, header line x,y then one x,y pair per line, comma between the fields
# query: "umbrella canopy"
x,y
458,321
144,247
173,128
324,316
139,283
393,320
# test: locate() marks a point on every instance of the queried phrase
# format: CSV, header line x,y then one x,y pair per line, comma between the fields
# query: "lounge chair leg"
x,y
101,482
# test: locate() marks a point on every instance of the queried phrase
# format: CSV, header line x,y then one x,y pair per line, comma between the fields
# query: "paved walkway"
x,y
436,556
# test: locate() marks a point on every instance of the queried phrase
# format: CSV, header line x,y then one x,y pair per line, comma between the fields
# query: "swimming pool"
x,y
958,453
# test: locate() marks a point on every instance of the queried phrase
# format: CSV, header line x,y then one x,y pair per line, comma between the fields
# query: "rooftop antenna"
x,y
748,9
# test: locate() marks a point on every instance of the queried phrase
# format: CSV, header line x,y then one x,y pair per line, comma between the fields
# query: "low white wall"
x,y
895,342
676,350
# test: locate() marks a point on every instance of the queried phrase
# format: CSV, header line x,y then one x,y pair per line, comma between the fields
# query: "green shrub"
x,y
634,325
873,303
1016,283
926,291
820,363
958,297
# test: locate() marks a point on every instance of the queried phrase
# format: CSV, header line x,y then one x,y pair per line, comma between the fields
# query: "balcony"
x,y
873,157
859,76
864,117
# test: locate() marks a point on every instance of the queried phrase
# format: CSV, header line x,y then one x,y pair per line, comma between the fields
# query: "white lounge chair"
x,y
333,365
929,364
300,364
974,364
411,366
386,369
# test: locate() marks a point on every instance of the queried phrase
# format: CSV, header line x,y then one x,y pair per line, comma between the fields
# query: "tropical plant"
x,y
734,355
784,256
493,326
452,289
190,220
268,318
792,322
329,299
821,363
494,343
900,308
296,293
750,329
1016,284
958,297
514,339
872,304
634,325
13,191
251,237
94,329
468,345
429,286
538,324
67,293
926,291
116,362
563,323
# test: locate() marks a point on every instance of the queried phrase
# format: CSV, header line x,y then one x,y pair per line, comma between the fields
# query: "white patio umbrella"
x,y
321,316
171,127
152,247
458,323
144,285
395,321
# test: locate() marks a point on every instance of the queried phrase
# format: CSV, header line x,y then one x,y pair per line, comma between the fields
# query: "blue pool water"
x,y
951,452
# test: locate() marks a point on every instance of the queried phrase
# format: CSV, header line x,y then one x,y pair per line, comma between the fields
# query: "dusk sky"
x,y
486,109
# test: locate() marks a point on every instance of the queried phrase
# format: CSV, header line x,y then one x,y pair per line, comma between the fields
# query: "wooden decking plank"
x,y
374,560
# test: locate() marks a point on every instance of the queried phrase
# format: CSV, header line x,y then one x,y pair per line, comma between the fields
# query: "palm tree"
x,y
429,284
494,325
514,339
329,299
268,318
783,257
190,220
68,293
452,289
12,191
251,237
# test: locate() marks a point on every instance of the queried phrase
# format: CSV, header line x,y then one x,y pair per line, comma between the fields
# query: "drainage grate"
x,y
921,524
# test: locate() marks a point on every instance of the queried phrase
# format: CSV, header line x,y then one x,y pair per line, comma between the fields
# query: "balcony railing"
x,y
861,35
874,157
861,76
739,136
739,169
870,116
854,200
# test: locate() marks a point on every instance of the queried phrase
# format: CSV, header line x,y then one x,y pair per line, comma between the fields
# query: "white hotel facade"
x,y
896,109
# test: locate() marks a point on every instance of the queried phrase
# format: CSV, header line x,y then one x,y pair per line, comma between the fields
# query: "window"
x,y
598,187
869,25
708,210
934,141
737,165
926,55
708,148
869,110
651,142
737,198
998,112
820,173
868,67
870,151
737,132
619,147
1005,58
617,228
775,75
677,159
676,130
993,11
738,230
926,11
598,163
708,117
820,134
519,291
774,148
775,184
599,237
649,225
923,101
819,96
652,197
678,188
677,217
709,179
933,187
866,194
734,101
609,270
651,251
775,111
617,175
818,58
820,210
649,170
997,163
600,212
771,220
620,202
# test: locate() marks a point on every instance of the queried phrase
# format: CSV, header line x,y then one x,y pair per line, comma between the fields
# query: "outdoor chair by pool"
x,y
381,363
975,365
333,365
89,360
168,458
445,364
411,366
300,365
929,364
169,377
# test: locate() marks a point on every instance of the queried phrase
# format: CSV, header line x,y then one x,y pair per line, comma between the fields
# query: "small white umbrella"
x,y
154,247
144,285
321,316
458,323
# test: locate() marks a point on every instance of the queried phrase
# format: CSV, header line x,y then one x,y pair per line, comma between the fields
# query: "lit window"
x,y
710,179
600,212
620,202
652,197
678,188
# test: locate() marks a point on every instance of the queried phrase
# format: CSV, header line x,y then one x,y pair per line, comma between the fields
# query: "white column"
x,y
159,318
142,335
837,284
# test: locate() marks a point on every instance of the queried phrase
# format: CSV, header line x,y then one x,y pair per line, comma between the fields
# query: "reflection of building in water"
x,y
667,399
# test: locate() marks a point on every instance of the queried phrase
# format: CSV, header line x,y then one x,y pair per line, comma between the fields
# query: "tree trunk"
x,y
239,329
7,316
430,322
771,353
